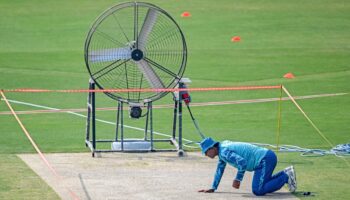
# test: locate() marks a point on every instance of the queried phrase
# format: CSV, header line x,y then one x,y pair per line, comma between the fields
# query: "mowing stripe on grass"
x,y
32,90
217,103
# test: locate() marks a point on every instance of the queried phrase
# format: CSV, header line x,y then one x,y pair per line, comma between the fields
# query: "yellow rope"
x,y
279,120
310,121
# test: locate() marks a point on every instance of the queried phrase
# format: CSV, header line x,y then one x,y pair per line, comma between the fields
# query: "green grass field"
x,y
42,46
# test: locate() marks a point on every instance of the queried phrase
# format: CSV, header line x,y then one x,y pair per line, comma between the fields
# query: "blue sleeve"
x,y
238,161
219,172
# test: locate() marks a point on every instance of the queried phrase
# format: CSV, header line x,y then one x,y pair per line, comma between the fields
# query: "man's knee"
x,y
258,192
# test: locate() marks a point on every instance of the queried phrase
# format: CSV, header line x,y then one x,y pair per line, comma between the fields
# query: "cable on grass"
x,y
341,150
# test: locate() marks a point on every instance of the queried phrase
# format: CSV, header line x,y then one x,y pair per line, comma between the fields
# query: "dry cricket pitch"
x,y
148,176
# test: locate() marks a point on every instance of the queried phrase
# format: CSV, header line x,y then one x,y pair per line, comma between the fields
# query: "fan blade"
x,y
151,76
146,29
107,55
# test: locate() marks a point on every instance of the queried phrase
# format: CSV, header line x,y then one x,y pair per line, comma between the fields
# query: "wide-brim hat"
x,y
207,143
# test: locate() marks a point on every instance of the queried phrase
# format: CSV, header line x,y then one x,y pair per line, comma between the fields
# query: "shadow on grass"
x,y
276,195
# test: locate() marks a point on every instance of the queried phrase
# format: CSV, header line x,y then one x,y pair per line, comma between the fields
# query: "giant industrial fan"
x,y
138,48
135,45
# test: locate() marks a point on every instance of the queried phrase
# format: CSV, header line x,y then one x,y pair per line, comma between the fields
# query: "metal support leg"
x,y
117,124
93,121
175,117
146,128
121,126
180,152
93,109
88,118
151,124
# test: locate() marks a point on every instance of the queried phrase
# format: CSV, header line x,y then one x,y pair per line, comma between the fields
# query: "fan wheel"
x,y
135,45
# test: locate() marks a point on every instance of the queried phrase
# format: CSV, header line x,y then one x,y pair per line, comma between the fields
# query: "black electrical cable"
x,y
195,122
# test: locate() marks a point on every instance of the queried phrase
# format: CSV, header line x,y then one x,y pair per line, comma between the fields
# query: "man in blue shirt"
x,y
248,157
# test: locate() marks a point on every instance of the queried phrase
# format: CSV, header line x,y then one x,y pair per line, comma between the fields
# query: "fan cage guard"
x,y
165,52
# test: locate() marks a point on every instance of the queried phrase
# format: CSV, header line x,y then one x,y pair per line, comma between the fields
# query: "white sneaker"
x,y
292,179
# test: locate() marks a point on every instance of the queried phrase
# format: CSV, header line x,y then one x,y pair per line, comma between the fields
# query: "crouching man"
x,y
248,157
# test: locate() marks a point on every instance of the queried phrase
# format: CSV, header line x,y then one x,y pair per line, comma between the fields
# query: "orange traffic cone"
x,y
289,75
186,14
235,39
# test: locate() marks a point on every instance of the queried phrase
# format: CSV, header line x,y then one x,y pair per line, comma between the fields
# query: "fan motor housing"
x,y
135,112
137,54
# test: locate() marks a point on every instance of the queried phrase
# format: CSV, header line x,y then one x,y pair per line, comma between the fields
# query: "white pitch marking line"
x,y
84,116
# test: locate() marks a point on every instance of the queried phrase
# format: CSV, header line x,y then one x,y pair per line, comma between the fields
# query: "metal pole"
x,y
122,126
175,117
147,117
151,124
93,118
117,124
180,125
88,118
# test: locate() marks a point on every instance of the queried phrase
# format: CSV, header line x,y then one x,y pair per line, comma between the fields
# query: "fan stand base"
x,y
121,144
132,146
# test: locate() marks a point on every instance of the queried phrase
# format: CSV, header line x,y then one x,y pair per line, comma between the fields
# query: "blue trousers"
x,y
263,180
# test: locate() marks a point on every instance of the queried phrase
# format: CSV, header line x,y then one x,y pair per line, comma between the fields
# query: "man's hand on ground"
x,y
236,184
207,191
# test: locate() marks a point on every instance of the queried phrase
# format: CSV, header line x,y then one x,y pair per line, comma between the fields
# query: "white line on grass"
x,y
84,116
